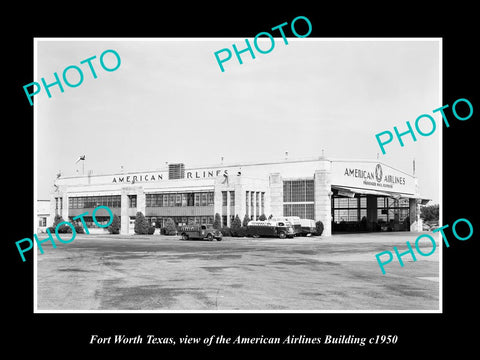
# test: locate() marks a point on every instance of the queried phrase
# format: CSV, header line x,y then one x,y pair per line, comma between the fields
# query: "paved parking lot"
x,y
113,272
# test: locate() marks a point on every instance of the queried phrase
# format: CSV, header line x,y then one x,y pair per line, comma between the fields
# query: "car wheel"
x,y
219,239
184,237
282,235
210,237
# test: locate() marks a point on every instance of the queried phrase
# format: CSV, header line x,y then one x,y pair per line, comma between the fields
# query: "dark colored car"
x,y
200,232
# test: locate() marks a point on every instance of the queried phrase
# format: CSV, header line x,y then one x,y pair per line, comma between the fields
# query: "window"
x,y
263,203
204,199
232,198
190,199
178,200
210,198
304,211
298,191
348,209
197,199
42,221
132,201
82,202
171,201
389,209
224,220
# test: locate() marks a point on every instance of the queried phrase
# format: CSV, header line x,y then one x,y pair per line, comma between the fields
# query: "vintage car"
x,y
293,220
198,231
272,228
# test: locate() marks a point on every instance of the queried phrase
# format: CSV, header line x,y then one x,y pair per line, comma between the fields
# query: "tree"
x,y
141,224
217,223
63,228
271,216
319,226
246,219
235,226
170,227
114,227
430,213
262,217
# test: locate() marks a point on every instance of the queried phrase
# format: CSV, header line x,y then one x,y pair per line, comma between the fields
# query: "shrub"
x,y
114,227
245,221
262,217
242,231
62,229
170,227
226,231
151,230
217,223
141,224
319,226
236,225
79,228
430,213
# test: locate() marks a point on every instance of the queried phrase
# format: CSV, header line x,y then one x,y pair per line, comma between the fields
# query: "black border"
x,y
418,333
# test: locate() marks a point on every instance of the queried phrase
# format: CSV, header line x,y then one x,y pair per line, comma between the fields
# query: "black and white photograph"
x,y
254,186
213,180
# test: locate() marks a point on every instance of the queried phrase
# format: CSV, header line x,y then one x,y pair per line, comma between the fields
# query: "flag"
x,y
82,157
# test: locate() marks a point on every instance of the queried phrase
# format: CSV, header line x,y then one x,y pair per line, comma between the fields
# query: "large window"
x,y
349,209
179,199
304,211
389,209
298,191
82,202
298,198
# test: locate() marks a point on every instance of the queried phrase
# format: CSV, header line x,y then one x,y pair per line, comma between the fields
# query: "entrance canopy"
x,y
351,191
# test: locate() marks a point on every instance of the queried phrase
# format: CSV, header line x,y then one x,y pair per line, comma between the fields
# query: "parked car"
x,y
198,231
308,227
293,220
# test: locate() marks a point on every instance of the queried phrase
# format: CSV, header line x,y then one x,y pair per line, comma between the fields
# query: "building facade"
x,y
344,195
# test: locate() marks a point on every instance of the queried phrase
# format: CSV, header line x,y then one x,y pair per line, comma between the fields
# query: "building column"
x,y
276,195
65,206
260,203
416,223
323,202
141,200
239,200
124,218
371,209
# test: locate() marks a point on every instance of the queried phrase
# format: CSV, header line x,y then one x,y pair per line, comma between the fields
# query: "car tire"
x,y
184,237
282,235
219,239
210,237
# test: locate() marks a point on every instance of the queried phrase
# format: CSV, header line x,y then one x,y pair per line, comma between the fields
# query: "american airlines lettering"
x,y
157,177
375,178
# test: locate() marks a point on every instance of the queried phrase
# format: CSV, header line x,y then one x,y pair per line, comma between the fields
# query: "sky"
x,y
170,102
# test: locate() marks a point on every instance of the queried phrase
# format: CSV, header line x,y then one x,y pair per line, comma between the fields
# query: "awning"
x,y
350,192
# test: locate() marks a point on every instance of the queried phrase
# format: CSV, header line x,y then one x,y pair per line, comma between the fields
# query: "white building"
x,y
340,193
